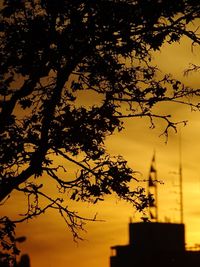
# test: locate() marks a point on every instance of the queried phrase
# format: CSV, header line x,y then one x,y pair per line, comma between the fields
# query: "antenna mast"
x,y
180,179
152,188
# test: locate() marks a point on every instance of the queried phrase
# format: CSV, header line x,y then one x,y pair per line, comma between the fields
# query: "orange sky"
x,y
49,243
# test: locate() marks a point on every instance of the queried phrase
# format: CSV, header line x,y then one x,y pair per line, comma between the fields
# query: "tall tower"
x,y
152,190
180,180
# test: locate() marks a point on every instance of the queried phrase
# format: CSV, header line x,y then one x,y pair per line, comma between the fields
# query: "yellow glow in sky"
x,y
49,243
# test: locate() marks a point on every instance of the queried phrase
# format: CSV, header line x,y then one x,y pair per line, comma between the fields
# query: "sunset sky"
x,y
49,243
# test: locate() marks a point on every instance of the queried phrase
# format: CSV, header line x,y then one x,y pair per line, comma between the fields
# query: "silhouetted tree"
x,y
53,50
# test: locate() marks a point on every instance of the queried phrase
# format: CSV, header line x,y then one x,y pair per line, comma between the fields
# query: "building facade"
x,y
155,244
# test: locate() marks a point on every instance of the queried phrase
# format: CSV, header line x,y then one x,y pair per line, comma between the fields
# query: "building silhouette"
x,y
24,261
155,244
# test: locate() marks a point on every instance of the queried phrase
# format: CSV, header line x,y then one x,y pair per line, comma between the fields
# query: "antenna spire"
x,y
152,189
180,178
